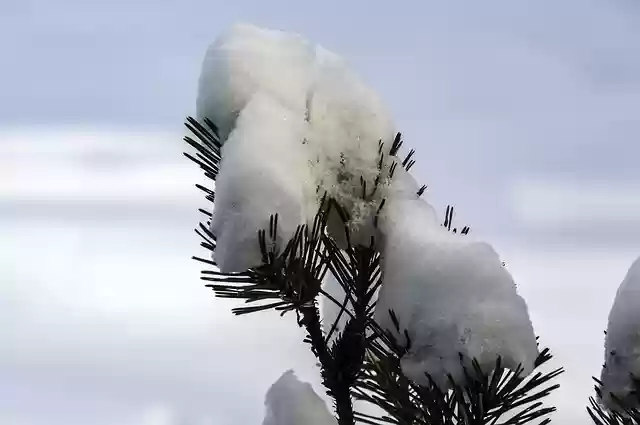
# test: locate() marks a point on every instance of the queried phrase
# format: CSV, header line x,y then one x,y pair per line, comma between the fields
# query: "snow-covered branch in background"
x,y
622,345
292,402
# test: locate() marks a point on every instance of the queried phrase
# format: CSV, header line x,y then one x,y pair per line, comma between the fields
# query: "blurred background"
x,y
525,116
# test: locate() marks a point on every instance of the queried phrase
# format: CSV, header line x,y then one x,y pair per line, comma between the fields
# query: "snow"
x,y
622,343
291,402
263,172
338,119
245,60
301,123
347,121
449,292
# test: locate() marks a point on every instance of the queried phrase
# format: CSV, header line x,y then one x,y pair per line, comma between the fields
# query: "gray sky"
x,y
524,115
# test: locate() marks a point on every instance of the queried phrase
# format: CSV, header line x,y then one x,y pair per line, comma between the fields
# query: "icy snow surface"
x,y
291,402
449,292
622,343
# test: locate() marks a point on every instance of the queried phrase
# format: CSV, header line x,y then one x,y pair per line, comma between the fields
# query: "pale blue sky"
x,y
521,113
505,88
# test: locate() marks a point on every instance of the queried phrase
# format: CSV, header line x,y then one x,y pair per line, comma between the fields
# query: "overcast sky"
x,y
525,116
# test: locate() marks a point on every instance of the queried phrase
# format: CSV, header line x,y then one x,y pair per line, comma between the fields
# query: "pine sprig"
x,y
482,399
291,278
448,222
208,147
361,360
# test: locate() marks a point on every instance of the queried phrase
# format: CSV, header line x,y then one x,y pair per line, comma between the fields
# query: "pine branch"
x,y
362,361
482,398
292,277
331,379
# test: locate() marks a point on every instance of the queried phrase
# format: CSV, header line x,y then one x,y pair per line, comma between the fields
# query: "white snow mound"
x,y
263,172
348,120
291,402
450,293
622,343
245,60
341,119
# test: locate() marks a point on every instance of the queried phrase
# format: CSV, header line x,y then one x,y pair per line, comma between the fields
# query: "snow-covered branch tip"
x,y
310,189
290,279
498,395
285,281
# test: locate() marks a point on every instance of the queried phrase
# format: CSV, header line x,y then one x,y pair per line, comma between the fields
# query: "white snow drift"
x,y
291,402
622,343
